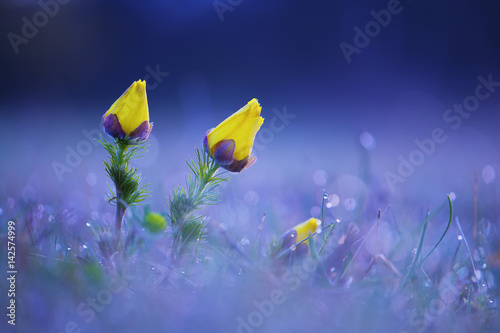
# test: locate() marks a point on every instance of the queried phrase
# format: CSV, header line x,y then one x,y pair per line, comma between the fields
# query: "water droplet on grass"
x,y
293,247
459,237
69,247
325,195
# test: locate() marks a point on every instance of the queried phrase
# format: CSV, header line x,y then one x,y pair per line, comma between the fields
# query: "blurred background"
x,y
378,103
345,87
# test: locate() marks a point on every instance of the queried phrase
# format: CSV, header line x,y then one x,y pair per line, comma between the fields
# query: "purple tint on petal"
x,y
237,165
112,127
142,131
224,152
205,142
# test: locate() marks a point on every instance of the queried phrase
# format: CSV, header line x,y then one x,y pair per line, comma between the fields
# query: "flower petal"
x,y
224,152
112,127
241,127
301,231
142,132
237,165
131,109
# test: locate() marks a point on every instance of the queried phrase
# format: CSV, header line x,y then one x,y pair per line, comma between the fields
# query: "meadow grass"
x,y
197,274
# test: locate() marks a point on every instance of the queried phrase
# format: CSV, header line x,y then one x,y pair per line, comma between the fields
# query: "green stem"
x,y
120,207
418,252
325,196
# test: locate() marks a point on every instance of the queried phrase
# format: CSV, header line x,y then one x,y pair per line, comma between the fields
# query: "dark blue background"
x,y
283,52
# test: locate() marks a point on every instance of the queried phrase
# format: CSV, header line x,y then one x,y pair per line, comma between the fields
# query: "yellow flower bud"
x,y
231,142
300,232
128,117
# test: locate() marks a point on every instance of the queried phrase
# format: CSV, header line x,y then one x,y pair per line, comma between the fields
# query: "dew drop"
x,y
338,220
87,224
245,242
154,269
332,269
69,247
50,218
325,195
293,247
84,246
459,237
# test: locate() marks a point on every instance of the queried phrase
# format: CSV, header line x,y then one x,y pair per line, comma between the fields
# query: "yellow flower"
x,y
231,142
300,232
128,117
